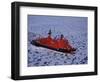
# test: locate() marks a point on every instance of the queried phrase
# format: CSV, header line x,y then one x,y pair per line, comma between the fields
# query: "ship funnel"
x,y
49,32
62,36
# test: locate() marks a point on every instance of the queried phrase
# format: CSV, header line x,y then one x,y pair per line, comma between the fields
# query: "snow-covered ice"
x,y
73,28
38,56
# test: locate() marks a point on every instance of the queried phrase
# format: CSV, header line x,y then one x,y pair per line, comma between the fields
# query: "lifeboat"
x,y
61,44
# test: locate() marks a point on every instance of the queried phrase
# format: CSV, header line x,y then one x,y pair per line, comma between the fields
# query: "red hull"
x,y
64,50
